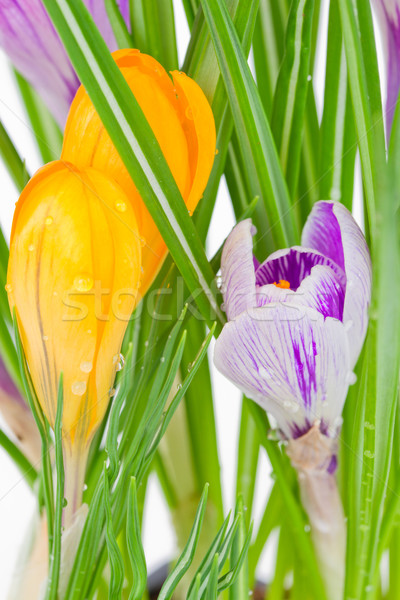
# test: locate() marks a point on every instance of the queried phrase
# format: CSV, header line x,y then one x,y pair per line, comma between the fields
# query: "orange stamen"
x,y
285,285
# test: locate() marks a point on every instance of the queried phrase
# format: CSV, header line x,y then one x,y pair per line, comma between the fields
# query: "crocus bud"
x,y
297,322
73,279
182,122
28,37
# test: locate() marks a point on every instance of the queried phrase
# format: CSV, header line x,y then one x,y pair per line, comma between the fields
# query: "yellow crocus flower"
x,y
73,278
182,121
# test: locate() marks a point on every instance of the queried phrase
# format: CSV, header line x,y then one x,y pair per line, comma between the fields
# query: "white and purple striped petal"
x,y
332,230
238,270
388,13
34,47
290,360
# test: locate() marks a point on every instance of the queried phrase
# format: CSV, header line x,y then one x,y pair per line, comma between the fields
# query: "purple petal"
x,y
291,361
237,268
388,13
332,230
32,44
321,290
294,265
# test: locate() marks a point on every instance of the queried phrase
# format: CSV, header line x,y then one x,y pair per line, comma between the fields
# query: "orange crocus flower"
x,y
182,121
73,278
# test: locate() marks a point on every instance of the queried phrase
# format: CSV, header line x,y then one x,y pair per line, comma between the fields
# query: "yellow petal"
x,y
187,143
199,126
69,245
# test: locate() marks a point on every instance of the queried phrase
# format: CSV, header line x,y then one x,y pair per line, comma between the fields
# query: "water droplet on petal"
x,y
64,502
112,392
8,287
49,221
83,282
142,242
119,361
78,388
86,366
45,338
120,206
31,247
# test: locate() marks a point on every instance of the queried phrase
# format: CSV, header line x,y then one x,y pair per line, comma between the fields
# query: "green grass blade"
x,y
284,477
368,121
253,129
153,30
117,573
137,145
30,395
55,556
201,420
26,468
212,585
135,548
12,160
338,143
47,133
119,27
186,558
240,586
291,90
247,461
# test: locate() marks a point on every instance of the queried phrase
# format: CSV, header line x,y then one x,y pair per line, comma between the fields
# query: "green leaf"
x,y
186,558
291,90
117,573
239,588
117,22
27,470
12,160
153,30
47,133
338,142
367,116
40,420
135,548
295,516
55,556
201,420
212,585
137,145
257,146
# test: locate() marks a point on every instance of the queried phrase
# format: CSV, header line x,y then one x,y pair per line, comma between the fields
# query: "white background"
x,y
17,505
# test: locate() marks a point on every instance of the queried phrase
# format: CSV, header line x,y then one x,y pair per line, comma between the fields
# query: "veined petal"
x,y
291,361
237,268
188,149
199,126
388,13
294,265
33,45
332,230
72,229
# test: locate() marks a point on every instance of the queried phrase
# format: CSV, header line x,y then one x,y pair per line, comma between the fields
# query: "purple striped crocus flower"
x,y
34,47
297,321
388,14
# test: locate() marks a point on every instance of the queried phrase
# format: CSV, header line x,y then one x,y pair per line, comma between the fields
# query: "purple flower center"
x,y
293,267
288,269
